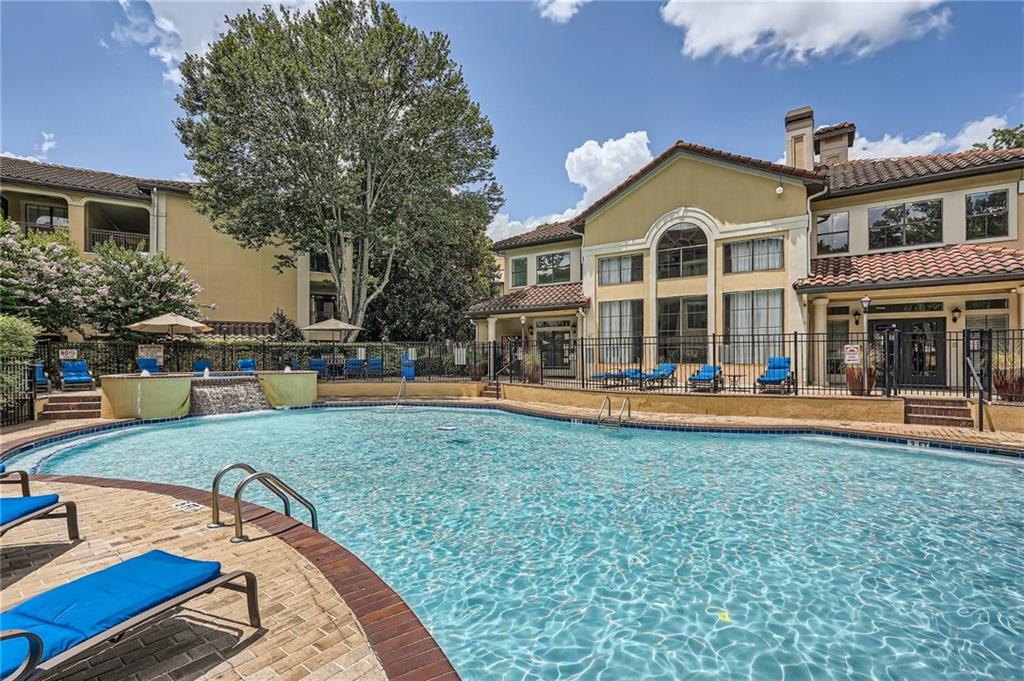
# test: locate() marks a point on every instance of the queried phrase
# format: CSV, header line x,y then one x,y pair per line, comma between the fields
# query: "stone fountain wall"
x,y
227,395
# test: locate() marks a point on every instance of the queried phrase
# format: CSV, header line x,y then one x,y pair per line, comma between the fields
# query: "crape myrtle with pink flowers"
x,y
44,280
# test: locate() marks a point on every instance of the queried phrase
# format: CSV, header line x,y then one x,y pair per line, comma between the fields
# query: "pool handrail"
x,y
262,477
215,492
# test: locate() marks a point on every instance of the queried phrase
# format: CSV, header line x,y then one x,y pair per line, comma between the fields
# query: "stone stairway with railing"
x,y
935,411
72,406
492,390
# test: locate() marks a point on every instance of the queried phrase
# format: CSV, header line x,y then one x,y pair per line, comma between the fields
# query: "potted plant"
x,y
531,365
476,370
855,374
1008,372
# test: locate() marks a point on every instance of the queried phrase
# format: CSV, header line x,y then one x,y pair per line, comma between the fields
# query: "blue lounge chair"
x,y
354,367
247,364
375,366
777,376
75,374
706,379
41,379
319,365
665,373
16,511
20,478
201,365
58,627
148,364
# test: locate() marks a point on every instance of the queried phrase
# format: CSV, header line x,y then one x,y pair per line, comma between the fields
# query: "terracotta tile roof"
x,y
828,130
554,231
813,176
955,263
80,179
533,298
851,176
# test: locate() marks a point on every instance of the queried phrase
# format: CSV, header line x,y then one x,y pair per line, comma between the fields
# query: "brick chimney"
x,y
799,138
832,142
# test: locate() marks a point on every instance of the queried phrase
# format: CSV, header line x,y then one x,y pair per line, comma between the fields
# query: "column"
x,y
492,329
820,325
1020,306
302,290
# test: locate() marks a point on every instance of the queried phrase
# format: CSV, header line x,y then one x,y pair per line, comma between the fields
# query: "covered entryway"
x,y
921,347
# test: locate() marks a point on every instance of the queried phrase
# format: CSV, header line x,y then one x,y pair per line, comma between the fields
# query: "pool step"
x,y
493,390
71,406
956,413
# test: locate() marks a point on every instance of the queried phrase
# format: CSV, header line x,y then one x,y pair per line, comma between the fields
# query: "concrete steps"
x,y
931,411
71,406
493,390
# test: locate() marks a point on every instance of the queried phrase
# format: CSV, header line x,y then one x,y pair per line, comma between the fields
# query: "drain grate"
x,y
188,506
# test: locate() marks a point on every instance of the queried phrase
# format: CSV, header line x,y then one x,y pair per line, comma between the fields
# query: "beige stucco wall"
x,y
156,397
241,282
875,409
731,195
1001,416
389,391
288,388
954,222
531,253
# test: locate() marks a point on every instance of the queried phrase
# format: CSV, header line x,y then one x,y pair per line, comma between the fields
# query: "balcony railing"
x,y
129,240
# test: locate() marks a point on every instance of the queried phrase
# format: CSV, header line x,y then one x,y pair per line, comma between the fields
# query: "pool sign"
x,y
852,354
67,353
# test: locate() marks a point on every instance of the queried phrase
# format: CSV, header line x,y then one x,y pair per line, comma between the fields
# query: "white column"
x,y
302,290
1020,306
492,329
820,374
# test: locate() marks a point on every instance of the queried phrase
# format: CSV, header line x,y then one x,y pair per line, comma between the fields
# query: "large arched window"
x,y
682,252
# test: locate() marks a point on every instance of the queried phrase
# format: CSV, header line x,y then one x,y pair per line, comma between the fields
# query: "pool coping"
x,y
405,648
21,446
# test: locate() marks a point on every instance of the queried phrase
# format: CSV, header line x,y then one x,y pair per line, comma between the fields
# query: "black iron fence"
x,y
17,392
889,362
334,361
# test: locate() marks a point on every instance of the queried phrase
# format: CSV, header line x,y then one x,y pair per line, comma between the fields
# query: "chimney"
x,y
832,142
799,134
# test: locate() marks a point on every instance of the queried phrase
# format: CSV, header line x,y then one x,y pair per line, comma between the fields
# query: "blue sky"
x,y
580,93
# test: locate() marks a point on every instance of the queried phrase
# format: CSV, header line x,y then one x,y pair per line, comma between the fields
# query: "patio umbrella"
x,y
332,326
170,324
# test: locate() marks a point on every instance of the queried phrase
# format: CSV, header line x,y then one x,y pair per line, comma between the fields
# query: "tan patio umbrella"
x,y
332,326
170,324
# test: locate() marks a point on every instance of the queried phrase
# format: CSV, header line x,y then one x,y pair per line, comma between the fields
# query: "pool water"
x,y
535,549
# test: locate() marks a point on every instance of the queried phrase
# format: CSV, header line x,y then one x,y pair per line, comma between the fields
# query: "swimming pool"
x,y
538,549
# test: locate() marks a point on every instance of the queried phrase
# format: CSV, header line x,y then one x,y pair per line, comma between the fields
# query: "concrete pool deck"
x,y
325,614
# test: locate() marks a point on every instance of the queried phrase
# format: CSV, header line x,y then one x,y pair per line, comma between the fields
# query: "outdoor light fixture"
x,y
865,302
856,317
779,189
956,314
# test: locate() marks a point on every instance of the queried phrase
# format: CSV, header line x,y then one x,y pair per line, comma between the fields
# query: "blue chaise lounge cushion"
x,y
3,468
247,364
706,374
71,613
148,364
777,370
12,508
75,371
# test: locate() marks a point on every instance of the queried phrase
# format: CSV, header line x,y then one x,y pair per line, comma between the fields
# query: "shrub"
x,y
17,338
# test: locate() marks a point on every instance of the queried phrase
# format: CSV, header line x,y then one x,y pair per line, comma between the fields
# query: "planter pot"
x,y
855,380
1009,384
532,373
476,371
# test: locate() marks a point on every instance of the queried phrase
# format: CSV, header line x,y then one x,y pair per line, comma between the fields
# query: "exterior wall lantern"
x,y
856,317
956,312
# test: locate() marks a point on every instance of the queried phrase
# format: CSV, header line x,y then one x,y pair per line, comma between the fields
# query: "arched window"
x,y
682,252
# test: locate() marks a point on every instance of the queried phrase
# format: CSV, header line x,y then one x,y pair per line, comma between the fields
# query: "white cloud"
x,y
43,149
559,11
796,31
890,146
598,168
170,29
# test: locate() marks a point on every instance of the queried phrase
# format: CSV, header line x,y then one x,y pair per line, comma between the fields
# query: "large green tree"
x,y
329,131
446,267
1004,138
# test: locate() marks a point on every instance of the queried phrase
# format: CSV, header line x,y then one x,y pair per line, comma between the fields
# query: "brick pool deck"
x,y
325,614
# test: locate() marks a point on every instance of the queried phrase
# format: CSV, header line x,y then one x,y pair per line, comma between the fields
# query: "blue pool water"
x,y
535,549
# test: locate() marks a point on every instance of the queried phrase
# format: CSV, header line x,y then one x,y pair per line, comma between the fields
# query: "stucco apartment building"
x,y
241,289
702,241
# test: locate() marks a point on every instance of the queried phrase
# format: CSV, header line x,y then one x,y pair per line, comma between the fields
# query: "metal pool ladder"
x,y
401,387
625,408
273,483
